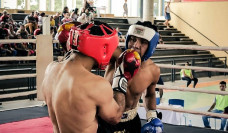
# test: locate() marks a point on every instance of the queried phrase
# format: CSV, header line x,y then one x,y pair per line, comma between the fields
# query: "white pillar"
x,y
42,5
52,5
2,3
46,25
44,56
108,6
27,4
148,9
69,4
74,4
63,4
160,8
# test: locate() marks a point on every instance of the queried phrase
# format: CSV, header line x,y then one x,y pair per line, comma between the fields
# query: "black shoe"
x,y
208,127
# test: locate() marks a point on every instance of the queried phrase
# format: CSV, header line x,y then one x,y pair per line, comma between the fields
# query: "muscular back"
x,y
72,94
144,80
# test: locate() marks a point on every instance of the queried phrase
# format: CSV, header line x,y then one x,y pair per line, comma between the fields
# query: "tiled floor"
x,y
193,101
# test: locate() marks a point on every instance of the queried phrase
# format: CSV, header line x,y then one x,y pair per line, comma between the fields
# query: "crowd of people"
x,y
32,26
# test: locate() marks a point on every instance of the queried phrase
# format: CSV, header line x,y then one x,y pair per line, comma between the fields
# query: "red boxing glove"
x,y
128,65
131,62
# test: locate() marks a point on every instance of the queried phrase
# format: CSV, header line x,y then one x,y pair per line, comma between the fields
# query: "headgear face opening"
x,y
146,33
99,47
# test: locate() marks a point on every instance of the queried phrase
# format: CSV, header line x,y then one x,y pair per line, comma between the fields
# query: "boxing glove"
x,y
154,125
128,65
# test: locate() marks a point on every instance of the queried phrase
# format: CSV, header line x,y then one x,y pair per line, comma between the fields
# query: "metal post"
x,y
193,64
209,65
174,71
225,66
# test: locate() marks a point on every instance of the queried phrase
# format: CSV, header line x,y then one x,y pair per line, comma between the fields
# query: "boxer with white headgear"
x,y
143,38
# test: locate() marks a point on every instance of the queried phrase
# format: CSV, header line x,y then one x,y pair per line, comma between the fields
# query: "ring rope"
x,y
165,87
192,111
18,94
214,69
163,46
192,47
18,58
16,76
6,41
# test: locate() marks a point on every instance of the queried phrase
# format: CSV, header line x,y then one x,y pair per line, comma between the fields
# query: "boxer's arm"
x,y
150,97
153,124
108,109
111,67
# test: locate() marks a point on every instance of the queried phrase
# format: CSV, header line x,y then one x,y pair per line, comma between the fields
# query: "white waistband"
x,y
129,115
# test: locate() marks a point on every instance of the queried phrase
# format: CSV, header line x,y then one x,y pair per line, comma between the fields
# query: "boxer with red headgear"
x,y
143,38
74,95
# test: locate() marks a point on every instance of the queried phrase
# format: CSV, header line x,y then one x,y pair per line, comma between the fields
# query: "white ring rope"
x,y
17,58
192,47
6,41
193,68
163,46
18,94
192,111
16,76
165,87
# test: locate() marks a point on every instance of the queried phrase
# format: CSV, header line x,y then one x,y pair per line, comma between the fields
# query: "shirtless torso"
x,y
143,83
75,96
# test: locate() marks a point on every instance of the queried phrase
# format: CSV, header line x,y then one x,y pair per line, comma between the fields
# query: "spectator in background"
x,y
10,20
20,47
186,74
57,19
82,19
220,103
22,32
167,15
125,8
12,33
31,23
40,19
120,36
65,10
52,21
66,18
4,18
74,15
89,15
36,15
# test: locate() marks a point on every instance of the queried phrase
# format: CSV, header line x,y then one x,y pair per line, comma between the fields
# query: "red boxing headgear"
x,y
99,47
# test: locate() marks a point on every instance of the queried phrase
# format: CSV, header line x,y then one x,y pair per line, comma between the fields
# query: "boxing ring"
x,y
19,118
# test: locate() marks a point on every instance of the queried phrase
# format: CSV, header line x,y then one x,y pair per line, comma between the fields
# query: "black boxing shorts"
x,y
130,123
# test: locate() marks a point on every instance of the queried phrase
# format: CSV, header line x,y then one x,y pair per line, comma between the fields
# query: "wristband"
x,y
151,114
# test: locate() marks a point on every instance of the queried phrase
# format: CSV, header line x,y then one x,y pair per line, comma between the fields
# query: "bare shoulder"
x,y
101,89
100,83
152,69
50,67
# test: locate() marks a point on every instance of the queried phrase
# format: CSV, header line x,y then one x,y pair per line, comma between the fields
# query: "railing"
x,y
196,30
193,63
